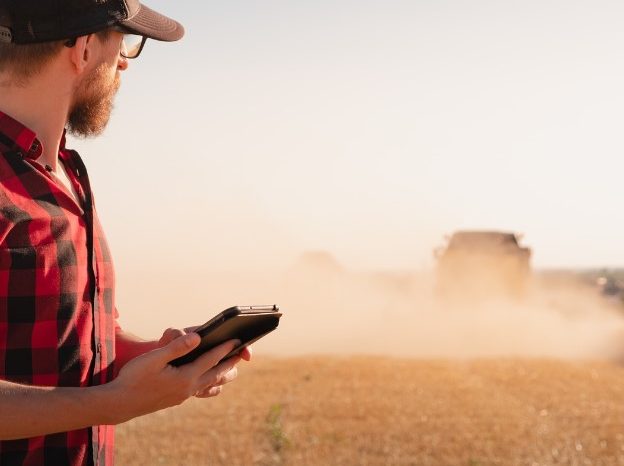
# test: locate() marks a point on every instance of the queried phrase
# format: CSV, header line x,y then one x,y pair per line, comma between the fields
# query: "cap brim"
x,y
152,24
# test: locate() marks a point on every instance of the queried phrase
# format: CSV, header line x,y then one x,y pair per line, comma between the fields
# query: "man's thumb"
x,y
179,347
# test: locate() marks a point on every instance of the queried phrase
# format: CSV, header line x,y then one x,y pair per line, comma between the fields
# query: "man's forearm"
x,y
29,411
147,384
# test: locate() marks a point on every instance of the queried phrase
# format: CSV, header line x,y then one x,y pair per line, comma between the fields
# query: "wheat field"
x,y
391,411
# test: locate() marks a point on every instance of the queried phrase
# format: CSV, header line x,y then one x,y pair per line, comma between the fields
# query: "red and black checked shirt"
x,y
57,293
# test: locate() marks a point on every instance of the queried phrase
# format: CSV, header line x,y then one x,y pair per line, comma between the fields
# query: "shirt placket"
x,y
80,172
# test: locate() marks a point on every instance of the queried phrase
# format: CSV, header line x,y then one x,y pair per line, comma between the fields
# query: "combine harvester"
x,y
481,265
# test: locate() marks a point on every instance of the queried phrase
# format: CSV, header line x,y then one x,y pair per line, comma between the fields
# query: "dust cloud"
x,y
329,309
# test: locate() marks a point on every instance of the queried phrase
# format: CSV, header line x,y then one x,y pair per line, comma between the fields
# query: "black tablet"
x,y
244,323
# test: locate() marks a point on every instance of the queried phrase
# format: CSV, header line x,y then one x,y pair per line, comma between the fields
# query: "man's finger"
x,y
169,335
213,376
211,358
228,377
178,347
222,378
173,333
246,353
208,392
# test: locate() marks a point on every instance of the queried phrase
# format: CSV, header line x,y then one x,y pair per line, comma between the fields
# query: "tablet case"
x,y
244,323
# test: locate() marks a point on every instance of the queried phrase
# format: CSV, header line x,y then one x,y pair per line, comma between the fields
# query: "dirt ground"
x,y
390,411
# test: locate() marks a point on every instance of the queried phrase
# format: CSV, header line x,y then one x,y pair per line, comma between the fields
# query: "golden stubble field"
x,y
491,382
390,411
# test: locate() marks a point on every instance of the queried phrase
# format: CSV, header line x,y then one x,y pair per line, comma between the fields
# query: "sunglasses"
x,y
131,44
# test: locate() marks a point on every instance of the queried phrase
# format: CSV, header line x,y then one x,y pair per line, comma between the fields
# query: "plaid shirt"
x,y
57,312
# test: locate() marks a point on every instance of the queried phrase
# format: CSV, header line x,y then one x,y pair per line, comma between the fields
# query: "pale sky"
x,y
368,128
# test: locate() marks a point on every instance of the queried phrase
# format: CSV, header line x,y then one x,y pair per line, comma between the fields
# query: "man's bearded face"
x,y
94,103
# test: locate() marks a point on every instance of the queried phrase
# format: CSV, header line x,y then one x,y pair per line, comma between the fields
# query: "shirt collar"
x,y
15,136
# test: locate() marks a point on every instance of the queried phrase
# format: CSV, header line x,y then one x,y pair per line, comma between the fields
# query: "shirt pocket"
x,y
39,277
25,271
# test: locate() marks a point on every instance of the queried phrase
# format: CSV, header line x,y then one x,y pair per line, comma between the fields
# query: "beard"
x,y
93,106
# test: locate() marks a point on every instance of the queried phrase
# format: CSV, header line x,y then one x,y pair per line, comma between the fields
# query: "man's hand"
x,y
149,383
172,333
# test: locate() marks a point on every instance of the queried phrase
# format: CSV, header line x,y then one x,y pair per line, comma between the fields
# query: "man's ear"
x,y
82,53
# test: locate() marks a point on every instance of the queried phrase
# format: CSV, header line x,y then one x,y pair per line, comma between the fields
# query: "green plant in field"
x,y
279,440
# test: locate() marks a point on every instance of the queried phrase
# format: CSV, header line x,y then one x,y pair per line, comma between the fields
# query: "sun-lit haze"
x,y
369,129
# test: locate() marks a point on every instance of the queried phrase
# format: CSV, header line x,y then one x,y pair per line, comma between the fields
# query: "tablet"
x,y
244,323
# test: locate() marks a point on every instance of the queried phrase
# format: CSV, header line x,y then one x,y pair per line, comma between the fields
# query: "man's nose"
x,y
122,63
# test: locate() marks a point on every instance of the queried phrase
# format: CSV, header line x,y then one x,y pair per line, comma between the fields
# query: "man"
x,y
68,372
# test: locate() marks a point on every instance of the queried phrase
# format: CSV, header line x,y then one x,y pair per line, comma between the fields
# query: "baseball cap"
x,y
35,21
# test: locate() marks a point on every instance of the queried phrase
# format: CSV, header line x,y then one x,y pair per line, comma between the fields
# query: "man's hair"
x,y
25,61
